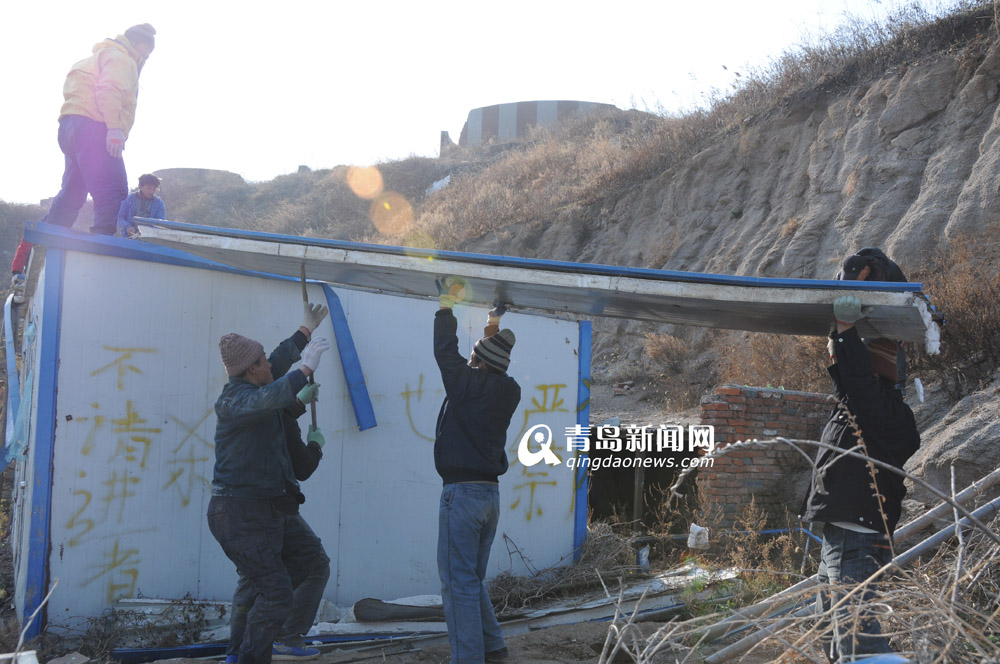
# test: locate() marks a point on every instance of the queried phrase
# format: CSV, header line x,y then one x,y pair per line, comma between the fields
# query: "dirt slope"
x,y
900,163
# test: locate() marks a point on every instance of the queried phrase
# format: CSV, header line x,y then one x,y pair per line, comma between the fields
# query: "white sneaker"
x,y
17,284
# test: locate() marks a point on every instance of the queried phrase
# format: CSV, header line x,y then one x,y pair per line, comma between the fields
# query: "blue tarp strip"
x,y
364,414
39,536
583,419
105,245
205,650
13,387
557,266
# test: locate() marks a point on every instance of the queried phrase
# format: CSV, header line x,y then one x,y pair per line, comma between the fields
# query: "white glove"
x,y
313,315
313,351
115,142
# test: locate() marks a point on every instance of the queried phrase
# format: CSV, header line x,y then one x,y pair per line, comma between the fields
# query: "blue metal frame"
x,y
583,419
105,245
557,266
57,240
13,385
39,536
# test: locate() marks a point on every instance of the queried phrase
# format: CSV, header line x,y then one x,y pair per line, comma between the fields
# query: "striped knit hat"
x,y
495,350
239,353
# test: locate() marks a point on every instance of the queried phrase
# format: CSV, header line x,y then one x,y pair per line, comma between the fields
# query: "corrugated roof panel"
x,y
784,306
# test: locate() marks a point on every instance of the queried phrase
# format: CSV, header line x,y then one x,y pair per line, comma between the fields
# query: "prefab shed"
x,y
111,424
113,431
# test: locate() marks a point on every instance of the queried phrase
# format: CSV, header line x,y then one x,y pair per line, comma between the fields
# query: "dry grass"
x,y
604,552
593,158
773,360
963,276
667,351
942,607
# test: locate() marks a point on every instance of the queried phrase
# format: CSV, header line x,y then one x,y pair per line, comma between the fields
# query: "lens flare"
x,y
365,181
391,213
418,240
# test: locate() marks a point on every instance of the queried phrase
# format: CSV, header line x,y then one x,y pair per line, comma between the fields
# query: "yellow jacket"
x,y
105,86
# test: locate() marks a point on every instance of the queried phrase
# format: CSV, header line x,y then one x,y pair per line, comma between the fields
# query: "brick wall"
x,y
776,476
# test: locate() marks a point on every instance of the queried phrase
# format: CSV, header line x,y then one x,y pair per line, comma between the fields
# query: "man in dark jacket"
x,y
871,264
253,480
858,503
307,563
470,455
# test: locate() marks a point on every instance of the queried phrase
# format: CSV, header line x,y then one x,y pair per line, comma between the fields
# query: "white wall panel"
x,y
138,376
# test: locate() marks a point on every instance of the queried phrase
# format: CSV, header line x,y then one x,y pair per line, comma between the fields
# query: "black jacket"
x,y
304,457
471,434
890,435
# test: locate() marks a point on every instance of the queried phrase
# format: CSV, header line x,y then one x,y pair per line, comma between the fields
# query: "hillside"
x,y
881,135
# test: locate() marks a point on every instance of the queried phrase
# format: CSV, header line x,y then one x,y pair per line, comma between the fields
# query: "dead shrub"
x,y
666,350
962,278
773,360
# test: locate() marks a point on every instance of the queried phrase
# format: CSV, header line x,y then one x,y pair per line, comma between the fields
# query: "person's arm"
x,y
877,410
116,77
455,371
305,457
125,215
290,350
158,210
286,354
245,405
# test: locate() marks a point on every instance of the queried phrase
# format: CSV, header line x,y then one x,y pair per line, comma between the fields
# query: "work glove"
x,y
498,310
115,142
309,393
450,290
848,309
493,319
313,315
315,436
313,351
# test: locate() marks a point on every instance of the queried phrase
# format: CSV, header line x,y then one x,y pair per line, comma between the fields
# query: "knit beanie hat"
x,y
239,353
142,32
495,350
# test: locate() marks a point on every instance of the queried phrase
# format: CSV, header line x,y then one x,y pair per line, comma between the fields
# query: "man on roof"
x,y
100,93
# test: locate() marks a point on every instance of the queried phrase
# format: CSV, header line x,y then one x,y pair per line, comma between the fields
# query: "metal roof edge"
x,y
560,266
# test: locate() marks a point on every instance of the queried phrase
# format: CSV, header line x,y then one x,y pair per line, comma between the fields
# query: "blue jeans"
x,y
255,535
89,169
849,557
466,526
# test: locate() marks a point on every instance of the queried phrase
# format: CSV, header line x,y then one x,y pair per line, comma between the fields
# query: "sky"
x,y
262,88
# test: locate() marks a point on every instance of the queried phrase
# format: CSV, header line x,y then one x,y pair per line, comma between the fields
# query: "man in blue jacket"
x,y
470,455
857,503
254,479
143,202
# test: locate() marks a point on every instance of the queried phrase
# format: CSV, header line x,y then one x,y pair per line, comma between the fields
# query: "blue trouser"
x,y
850,557
466,526
89,169
255,536
309,568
